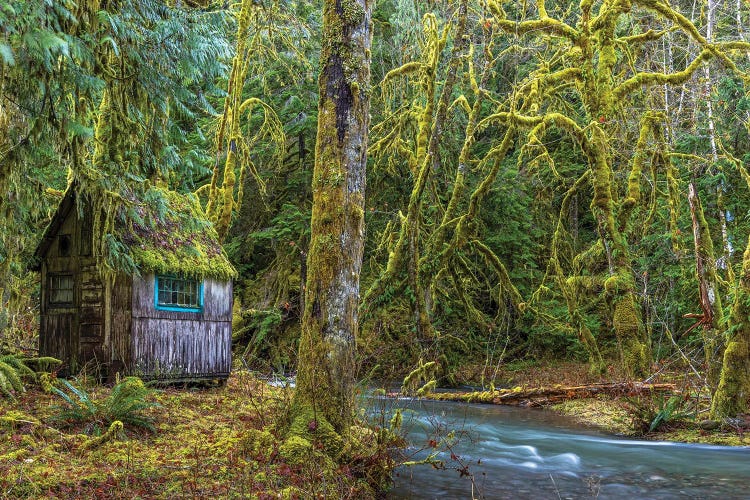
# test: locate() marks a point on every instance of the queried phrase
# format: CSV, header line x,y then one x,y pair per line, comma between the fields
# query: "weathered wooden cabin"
x,y
151,296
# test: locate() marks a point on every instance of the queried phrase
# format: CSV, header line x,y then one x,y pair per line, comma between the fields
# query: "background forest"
x,y
529,183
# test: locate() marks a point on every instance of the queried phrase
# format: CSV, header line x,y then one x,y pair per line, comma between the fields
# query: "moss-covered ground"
x,y
220,442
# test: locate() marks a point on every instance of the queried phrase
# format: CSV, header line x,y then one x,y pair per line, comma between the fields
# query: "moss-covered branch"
x,y
545,24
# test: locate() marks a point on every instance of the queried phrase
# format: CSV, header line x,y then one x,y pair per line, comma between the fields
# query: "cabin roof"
x,y
154,231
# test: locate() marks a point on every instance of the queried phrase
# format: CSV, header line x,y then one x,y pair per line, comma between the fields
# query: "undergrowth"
x,y
15,370
125,403
659,412
220,442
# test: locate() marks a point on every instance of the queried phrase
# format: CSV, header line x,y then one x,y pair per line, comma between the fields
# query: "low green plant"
x,y
125,403
652,414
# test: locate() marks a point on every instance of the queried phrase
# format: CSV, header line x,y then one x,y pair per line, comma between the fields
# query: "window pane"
x,y
178,292
61,289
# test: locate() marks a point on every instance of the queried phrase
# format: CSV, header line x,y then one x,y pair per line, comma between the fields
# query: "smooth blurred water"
x,y
531,453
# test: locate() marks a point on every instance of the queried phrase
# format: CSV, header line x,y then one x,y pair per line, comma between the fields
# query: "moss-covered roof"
x,y
167,233
153,230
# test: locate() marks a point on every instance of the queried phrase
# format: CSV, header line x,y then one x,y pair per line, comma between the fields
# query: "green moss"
x,y
298,451
259,442
112,434
692,435
352,12
598,412
172,236
629,330
732,395
14,418
316,429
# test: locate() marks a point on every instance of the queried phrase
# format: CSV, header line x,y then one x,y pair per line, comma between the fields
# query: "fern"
x,y
651,414
78,405
125,403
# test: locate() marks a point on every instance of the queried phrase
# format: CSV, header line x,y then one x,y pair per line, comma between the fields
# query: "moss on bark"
x,y
733,393
323,403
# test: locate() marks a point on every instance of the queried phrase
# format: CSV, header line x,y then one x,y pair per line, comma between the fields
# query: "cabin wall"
x,y
181,345
118,330
71,331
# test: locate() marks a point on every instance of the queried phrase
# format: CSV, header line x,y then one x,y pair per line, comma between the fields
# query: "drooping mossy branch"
x,y
424,161
437,239
650,128
222,200
554,268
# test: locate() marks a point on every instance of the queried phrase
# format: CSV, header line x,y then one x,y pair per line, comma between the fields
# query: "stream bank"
x,y
487,451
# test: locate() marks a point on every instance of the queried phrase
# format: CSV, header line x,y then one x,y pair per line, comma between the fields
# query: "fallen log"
x,y
543,396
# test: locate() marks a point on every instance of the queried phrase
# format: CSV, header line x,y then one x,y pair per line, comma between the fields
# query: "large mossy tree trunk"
x,y
324,398
732,395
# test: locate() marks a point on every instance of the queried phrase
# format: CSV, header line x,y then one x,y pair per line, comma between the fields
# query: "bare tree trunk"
x,y
324,398
710,24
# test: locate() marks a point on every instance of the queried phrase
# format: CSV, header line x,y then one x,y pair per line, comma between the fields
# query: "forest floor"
x,y
224,441
219,442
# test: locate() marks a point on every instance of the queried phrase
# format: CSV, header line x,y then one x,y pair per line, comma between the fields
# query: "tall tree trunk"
x,y
708,90
324,397
733,393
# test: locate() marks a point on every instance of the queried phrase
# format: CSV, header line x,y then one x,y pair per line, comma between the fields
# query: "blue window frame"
x,y
172,293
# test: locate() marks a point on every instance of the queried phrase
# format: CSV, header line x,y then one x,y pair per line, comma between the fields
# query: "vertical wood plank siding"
x,y
120,344
118,325
170,344
58,336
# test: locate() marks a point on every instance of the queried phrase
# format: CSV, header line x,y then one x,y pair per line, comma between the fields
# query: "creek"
x,y
505,452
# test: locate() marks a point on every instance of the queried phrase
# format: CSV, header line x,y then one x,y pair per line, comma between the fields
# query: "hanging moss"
x,y
223,201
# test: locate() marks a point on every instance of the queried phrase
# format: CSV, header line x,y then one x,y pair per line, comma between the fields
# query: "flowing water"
x,y
504,452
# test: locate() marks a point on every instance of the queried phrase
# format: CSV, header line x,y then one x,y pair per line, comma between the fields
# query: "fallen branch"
x,y
543,396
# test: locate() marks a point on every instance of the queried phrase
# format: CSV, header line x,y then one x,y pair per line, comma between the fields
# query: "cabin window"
x,y
63,245
61,289
178,294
